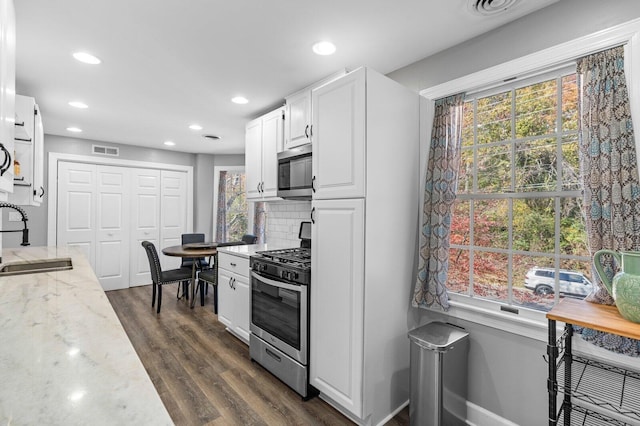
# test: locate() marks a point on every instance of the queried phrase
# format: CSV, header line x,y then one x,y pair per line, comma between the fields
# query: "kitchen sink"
x,y
36,266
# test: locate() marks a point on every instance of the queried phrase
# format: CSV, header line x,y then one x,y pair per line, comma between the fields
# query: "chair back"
x,y
187,239
249,239
154,261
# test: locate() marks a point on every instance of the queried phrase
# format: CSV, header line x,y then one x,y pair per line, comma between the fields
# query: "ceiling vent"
x,y
211,137
106,150
491,7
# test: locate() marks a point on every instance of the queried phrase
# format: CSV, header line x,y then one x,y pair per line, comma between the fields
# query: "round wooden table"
x,y
192,251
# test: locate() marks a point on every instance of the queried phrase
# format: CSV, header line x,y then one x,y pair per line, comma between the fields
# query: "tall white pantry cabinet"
x,y
365,140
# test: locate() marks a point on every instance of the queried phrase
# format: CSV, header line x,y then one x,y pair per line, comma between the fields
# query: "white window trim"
x,y
529,323
216,182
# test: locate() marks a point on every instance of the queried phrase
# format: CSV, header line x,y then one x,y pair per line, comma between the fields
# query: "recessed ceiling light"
x,y
195,127
78,104
87,58
240,100
169,143
74,129
324,48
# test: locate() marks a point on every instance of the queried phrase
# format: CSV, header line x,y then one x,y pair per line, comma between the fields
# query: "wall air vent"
x,y
491,7
106,150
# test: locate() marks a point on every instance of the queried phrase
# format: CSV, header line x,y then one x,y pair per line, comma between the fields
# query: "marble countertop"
x,y
246,250
64,357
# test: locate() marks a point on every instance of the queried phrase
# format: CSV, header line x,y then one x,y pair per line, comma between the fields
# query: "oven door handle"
x,y
275,283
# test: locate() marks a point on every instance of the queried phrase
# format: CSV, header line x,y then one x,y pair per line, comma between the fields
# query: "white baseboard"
x,y
478,416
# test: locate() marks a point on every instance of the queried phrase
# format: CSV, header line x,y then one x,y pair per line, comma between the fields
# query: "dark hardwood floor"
x,y
204,375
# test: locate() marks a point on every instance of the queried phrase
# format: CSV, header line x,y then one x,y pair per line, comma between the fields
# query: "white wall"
x,y
507,375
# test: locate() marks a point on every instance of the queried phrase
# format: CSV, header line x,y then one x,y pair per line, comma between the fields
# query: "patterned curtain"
x,y
439,195
610,173
221,208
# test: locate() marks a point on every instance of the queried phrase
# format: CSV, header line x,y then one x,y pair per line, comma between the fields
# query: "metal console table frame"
x,y
613,405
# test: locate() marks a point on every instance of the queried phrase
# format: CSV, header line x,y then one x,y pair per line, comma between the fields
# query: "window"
x,y
518,205
231,215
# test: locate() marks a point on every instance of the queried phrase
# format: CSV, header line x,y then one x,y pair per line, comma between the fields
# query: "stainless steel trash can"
x,y
438,375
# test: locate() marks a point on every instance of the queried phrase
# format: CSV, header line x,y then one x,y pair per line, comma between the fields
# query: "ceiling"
x,y
171,63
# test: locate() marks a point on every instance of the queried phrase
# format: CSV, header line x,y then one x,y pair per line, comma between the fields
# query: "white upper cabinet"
x,y
263,139
298,119
298,110
7,92
28,161
339,132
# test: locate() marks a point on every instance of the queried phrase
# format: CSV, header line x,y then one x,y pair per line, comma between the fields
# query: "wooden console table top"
x,y
592,315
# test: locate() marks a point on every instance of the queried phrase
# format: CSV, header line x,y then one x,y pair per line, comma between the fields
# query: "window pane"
x,y
536,109
573,234
494,118
569,103
494,169
465,174
533,282
491,223
458,278
570,163
460,227
536,166
534,225
490,277
236,206
575,278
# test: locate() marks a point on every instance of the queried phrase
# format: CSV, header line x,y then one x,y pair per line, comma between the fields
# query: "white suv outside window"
x,y
572,283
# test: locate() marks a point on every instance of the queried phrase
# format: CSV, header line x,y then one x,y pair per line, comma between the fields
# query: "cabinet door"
x,y
297,119
337,300
253,159
226,298
271,138
38,158
241,318
7,91
339,120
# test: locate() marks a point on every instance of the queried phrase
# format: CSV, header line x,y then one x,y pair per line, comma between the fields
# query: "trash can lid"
x,y
437,336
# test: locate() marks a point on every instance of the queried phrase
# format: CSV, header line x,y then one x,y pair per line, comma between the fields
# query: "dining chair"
x,y
160,277
201,263
206,277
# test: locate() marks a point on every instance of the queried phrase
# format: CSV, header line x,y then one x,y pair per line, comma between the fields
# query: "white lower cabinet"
x,y
233,294
337,301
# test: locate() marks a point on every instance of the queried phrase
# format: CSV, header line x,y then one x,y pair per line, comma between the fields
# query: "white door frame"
x,y
55,157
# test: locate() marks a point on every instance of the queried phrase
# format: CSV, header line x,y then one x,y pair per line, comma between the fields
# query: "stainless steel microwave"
x,y
294,173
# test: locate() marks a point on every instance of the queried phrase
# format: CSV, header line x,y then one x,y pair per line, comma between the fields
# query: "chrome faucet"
x,y
25,231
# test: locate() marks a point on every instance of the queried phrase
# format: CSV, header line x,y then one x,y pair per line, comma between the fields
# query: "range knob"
x,y
263,267
286,275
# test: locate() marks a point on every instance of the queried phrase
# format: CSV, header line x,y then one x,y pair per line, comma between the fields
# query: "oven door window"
x,y
277,311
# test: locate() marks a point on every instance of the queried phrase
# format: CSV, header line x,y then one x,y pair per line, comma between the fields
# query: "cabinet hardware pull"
x,y
313,186
230,279
234,284
313,211
232,264
306,132
272,354
42,193
258,187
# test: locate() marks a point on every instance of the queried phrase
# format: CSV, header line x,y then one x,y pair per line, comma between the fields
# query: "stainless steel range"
x,y
279,338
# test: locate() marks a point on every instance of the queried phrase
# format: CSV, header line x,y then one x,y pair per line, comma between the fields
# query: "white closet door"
x,y
145,217
112,227
173,214
77,207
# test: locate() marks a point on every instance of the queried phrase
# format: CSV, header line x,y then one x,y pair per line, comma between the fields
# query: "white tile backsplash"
x,y
283,222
